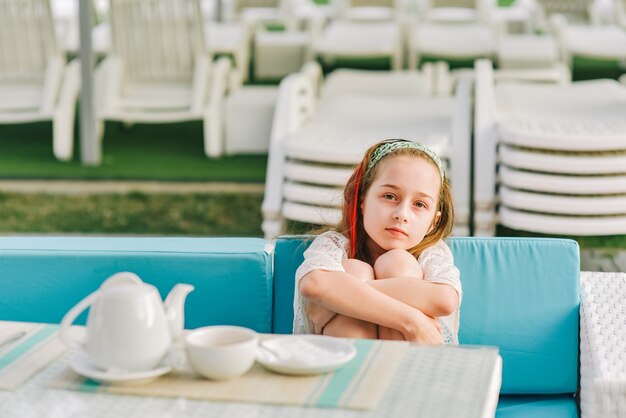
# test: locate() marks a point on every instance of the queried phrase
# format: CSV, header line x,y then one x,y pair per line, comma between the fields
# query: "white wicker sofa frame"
x,y
603,345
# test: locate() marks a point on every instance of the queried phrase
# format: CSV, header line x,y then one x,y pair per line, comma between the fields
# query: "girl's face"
x,y
400,207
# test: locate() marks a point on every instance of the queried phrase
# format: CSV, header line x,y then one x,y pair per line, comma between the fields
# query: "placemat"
x,y
360,384
31,351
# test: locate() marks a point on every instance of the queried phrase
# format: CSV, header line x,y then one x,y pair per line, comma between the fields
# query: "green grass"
x,y
374,63
149,152
133,213
198,214
588,69
167,152
583,68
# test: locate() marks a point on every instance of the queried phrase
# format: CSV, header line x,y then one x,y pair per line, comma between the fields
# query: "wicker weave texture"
x,y
603,345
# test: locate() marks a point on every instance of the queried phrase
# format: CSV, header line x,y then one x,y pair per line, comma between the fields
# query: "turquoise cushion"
x,y
43,277
287,257
520,294
554,406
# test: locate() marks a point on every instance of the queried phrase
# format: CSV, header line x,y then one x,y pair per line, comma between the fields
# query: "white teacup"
x,y
221,352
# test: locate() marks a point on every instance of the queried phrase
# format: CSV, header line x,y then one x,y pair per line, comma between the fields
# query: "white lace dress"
x,y
328,250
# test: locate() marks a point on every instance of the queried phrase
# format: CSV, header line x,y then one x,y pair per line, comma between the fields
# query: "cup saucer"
x,y
305,354
80,364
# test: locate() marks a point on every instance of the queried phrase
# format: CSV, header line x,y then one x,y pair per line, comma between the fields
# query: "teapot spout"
x,y
175,308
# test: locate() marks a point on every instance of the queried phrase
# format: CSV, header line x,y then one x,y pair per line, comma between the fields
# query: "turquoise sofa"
x,y
521,295
41,278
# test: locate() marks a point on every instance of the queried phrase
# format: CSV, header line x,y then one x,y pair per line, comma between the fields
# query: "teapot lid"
x,y
126,282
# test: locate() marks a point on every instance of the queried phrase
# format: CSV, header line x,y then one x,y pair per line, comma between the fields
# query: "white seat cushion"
x,y
344,127
583,116
562,224
452,15
397,83
527,51
358,39
455,41
566,184
225,37
563,162
563,204
20,97
607,42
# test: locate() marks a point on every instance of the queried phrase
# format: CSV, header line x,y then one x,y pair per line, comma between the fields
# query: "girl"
x,y
385,272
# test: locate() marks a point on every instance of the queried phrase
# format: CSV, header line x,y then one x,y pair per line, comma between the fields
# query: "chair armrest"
x,y
295,104
603,345
485,136
220,82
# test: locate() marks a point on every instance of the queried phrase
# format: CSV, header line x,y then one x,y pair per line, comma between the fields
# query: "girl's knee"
x,y
396,262
358,268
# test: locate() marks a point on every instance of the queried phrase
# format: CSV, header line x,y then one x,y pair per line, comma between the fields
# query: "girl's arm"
x,y
348,295
402,279
434,299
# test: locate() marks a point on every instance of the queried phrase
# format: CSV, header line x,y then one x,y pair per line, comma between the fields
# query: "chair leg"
x,y
100,131
64,114
413,59
272,228
213,141
63,134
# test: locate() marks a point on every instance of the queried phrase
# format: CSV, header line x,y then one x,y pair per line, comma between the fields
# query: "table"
x,y
433,382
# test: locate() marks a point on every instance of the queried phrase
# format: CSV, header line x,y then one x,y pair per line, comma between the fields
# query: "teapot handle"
x,y
72,314
70,317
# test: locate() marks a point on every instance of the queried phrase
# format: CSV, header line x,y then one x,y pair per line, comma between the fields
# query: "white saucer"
x,y
304,354
81,365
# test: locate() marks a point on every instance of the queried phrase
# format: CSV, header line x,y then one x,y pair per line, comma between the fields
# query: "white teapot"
x,y
129,328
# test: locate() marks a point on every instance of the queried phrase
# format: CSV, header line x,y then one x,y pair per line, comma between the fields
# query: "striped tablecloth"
x,y
21,358
434,382
360,384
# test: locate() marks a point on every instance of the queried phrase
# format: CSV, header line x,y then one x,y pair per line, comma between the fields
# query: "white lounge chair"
x,y
452,11
159,71
561,153
585,28
65,14
315,144
620,12
573,10
230,38
257,12
451,29
364,30
276,52
370,10
604,42
36,83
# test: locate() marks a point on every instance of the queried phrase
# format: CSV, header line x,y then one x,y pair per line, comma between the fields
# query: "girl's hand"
x,y
423,330
319,316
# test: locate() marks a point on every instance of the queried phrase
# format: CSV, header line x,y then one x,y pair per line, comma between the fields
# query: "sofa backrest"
x,y
519,294
41,278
